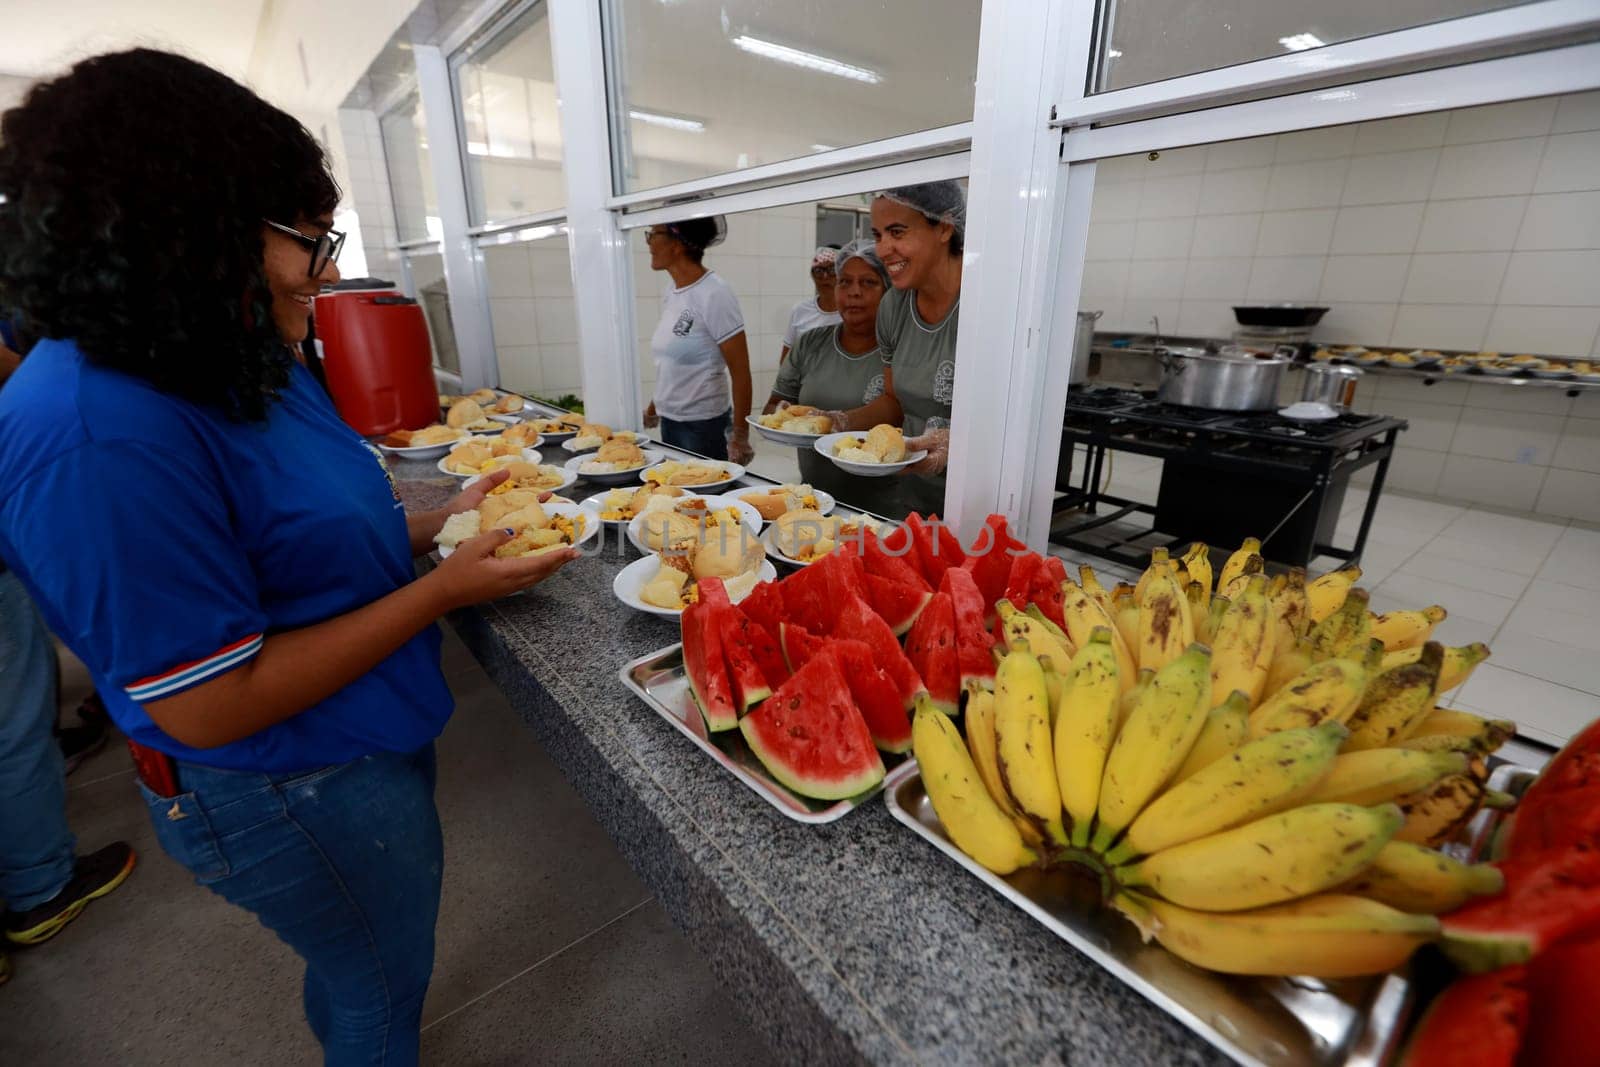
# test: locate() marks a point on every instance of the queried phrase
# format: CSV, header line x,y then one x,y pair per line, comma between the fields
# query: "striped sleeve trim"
x,y
188,674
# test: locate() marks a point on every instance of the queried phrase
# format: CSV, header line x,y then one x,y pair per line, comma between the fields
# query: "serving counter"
x,y
849,942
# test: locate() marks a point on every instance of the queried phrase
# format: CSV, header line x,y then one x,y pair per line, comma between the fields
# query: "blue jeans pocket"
x,y
185,834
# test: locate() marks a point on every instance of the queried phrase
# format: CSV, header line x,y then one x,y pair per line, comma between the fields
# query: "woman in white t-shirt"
x,y
699,347
819,310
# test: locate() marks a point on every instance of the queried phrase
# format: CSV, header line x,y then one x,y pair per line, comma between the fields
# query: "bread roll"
x,y
469,456
886,442
810,424
622,452
798,532
659,529
498,505
531,517
595,429
434,435
482,396
507,405
464,413
725,553
769,505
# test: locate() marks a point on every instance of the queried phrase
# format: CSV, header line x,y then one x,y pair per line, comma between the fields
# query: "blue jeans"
x,y
344,865
36,848
708,437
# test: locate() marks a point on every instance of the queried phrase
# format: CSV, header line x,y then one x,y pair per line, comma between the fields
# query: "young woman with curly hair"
x,y
230,560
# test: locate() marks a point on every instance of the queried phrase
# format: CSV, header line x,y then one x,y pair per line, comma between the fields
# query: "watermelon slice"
x,y
874,694
749,684
892,564
1478,1021
943,550
811,737
1546,900
931,648
989,561
1034,580
763,645
805,599
713,594
799,644
972,640
706,668
1055,569
898,603
1562,807
859,622
843,575
1561,985
764,605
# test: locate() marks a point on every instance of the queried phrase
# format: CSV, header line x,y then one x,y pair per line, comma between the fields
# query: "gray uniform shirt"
x,y
819,372
924,360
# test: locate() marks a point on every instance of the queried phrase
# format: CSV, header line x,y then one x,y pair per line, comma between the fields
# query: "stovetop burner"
x,y
1142,414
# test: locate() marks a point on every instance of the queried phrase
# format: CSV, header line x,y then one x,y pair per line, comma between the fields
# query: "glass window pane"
x,y
705,87
429,288
405,152
529,283
1162,39
511,123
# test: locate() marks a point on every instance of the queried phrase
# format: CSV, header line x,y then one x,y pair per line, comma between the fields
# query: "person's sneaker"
x,y
78,743
93,876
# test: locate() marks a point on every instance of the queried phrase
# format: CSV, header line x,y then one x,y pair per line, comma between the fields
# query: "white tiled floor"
x,y
1527,587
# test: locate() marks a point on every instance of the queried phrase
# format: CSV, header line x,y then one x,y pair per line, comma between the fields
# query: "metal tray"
x,y
658,679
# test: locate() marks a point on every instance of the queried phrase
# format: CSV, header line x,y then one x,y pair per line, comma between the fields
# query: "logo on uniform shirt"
x,y
383,465
684,324
944,383
874,389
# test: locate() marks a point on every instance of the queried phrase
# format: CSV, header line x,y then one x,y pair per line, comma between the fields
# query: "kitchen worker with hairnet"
x,y
820,309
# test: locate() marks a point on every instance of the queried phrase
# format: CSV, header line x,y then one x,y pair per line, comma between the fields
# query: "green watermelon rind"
x,y
820,676
714,723
814,789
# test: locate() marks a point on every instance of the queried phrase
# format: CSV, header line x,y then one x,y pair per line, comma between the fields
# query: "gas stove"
x,y
1225,474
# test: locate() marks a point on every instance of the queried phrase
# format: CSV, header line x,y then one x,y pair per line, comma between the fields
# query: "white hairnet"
x,y
937,202
865,250
824,256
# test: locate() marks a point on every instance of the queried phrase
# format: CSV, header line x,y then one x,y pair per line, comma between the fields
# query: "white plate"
x,y
751,517
591,528
639,439
733,470
531,455
786,438
1309,411
825,445
627,477
567,482
825,501
422,451
632,578
509,420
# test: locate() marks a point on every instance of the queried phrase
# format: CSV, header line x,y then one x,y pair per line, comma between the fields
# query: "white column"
x,y
463,275
1010,381
602,274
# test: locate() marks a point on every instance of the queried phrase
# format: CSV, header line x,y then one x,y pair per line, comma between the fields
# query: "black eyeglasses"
x,y
324,249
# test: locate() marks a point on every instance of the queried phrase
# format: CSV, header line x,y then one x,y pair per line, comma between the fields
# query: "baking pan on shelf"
x,y
659,680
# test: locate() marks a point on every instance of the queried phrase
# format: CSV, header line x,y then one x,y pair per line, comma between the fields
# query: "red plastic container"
x,y
378,360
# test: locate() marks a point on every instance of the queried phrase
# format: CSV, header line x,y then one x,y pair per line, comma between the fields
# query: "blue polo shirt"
x,y
163,543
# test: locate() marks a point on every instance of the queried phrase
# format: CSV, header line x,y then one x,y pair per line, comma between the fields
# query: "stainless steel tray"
x,y
659,681
1277,1021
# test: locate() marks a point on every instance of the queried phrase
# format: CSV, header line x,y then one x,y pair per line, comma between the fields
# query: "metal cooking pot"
x,y
1331,384
1082,339
1229,380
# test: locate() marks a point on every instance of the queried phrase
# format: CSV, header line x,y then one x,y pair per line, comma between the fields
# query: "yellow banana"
x,y
1484,735
1227,726
1289,619
1422,880
1235,563
1054,686
1197,560
1344,633
1091,585
1126,620
1205,629
1085,730
1406,629
1022,629
1325,936
1435,814
1160,563
1325,594
1396,701
1279,857
1459,662
1165,628
1130,696
1167,718
971,818
1372,659
1327,690
1199,606
1379,775
1236,585
1267,775
1022,739
1287,665
1241,648
1083,614
979,724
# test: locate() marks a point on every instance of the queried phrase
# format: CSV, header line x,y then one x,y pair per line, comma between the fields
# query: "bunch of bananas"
x,y
1255,767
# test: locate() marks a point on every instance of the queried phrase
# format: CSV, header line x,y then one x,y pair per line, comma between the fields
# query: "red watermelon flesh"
x,y
1545,901
874,694
1562,807
893,565
713,594
746,634
898,541
1056,569
843,576
989,561
859,622
899,604
972,641
945,550
750,685
1478,1021
799,644
1562,986
805,599
703,662
764,605
811,737
931,648
1026,572
922,555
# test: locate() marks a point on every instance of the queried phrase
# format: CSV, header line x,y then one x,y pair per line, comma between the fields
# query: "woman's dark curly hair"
x,y
135,187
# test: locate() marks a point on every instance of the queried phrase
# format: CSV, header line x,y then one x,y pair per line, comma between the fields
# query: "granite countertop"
x,y
852,941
